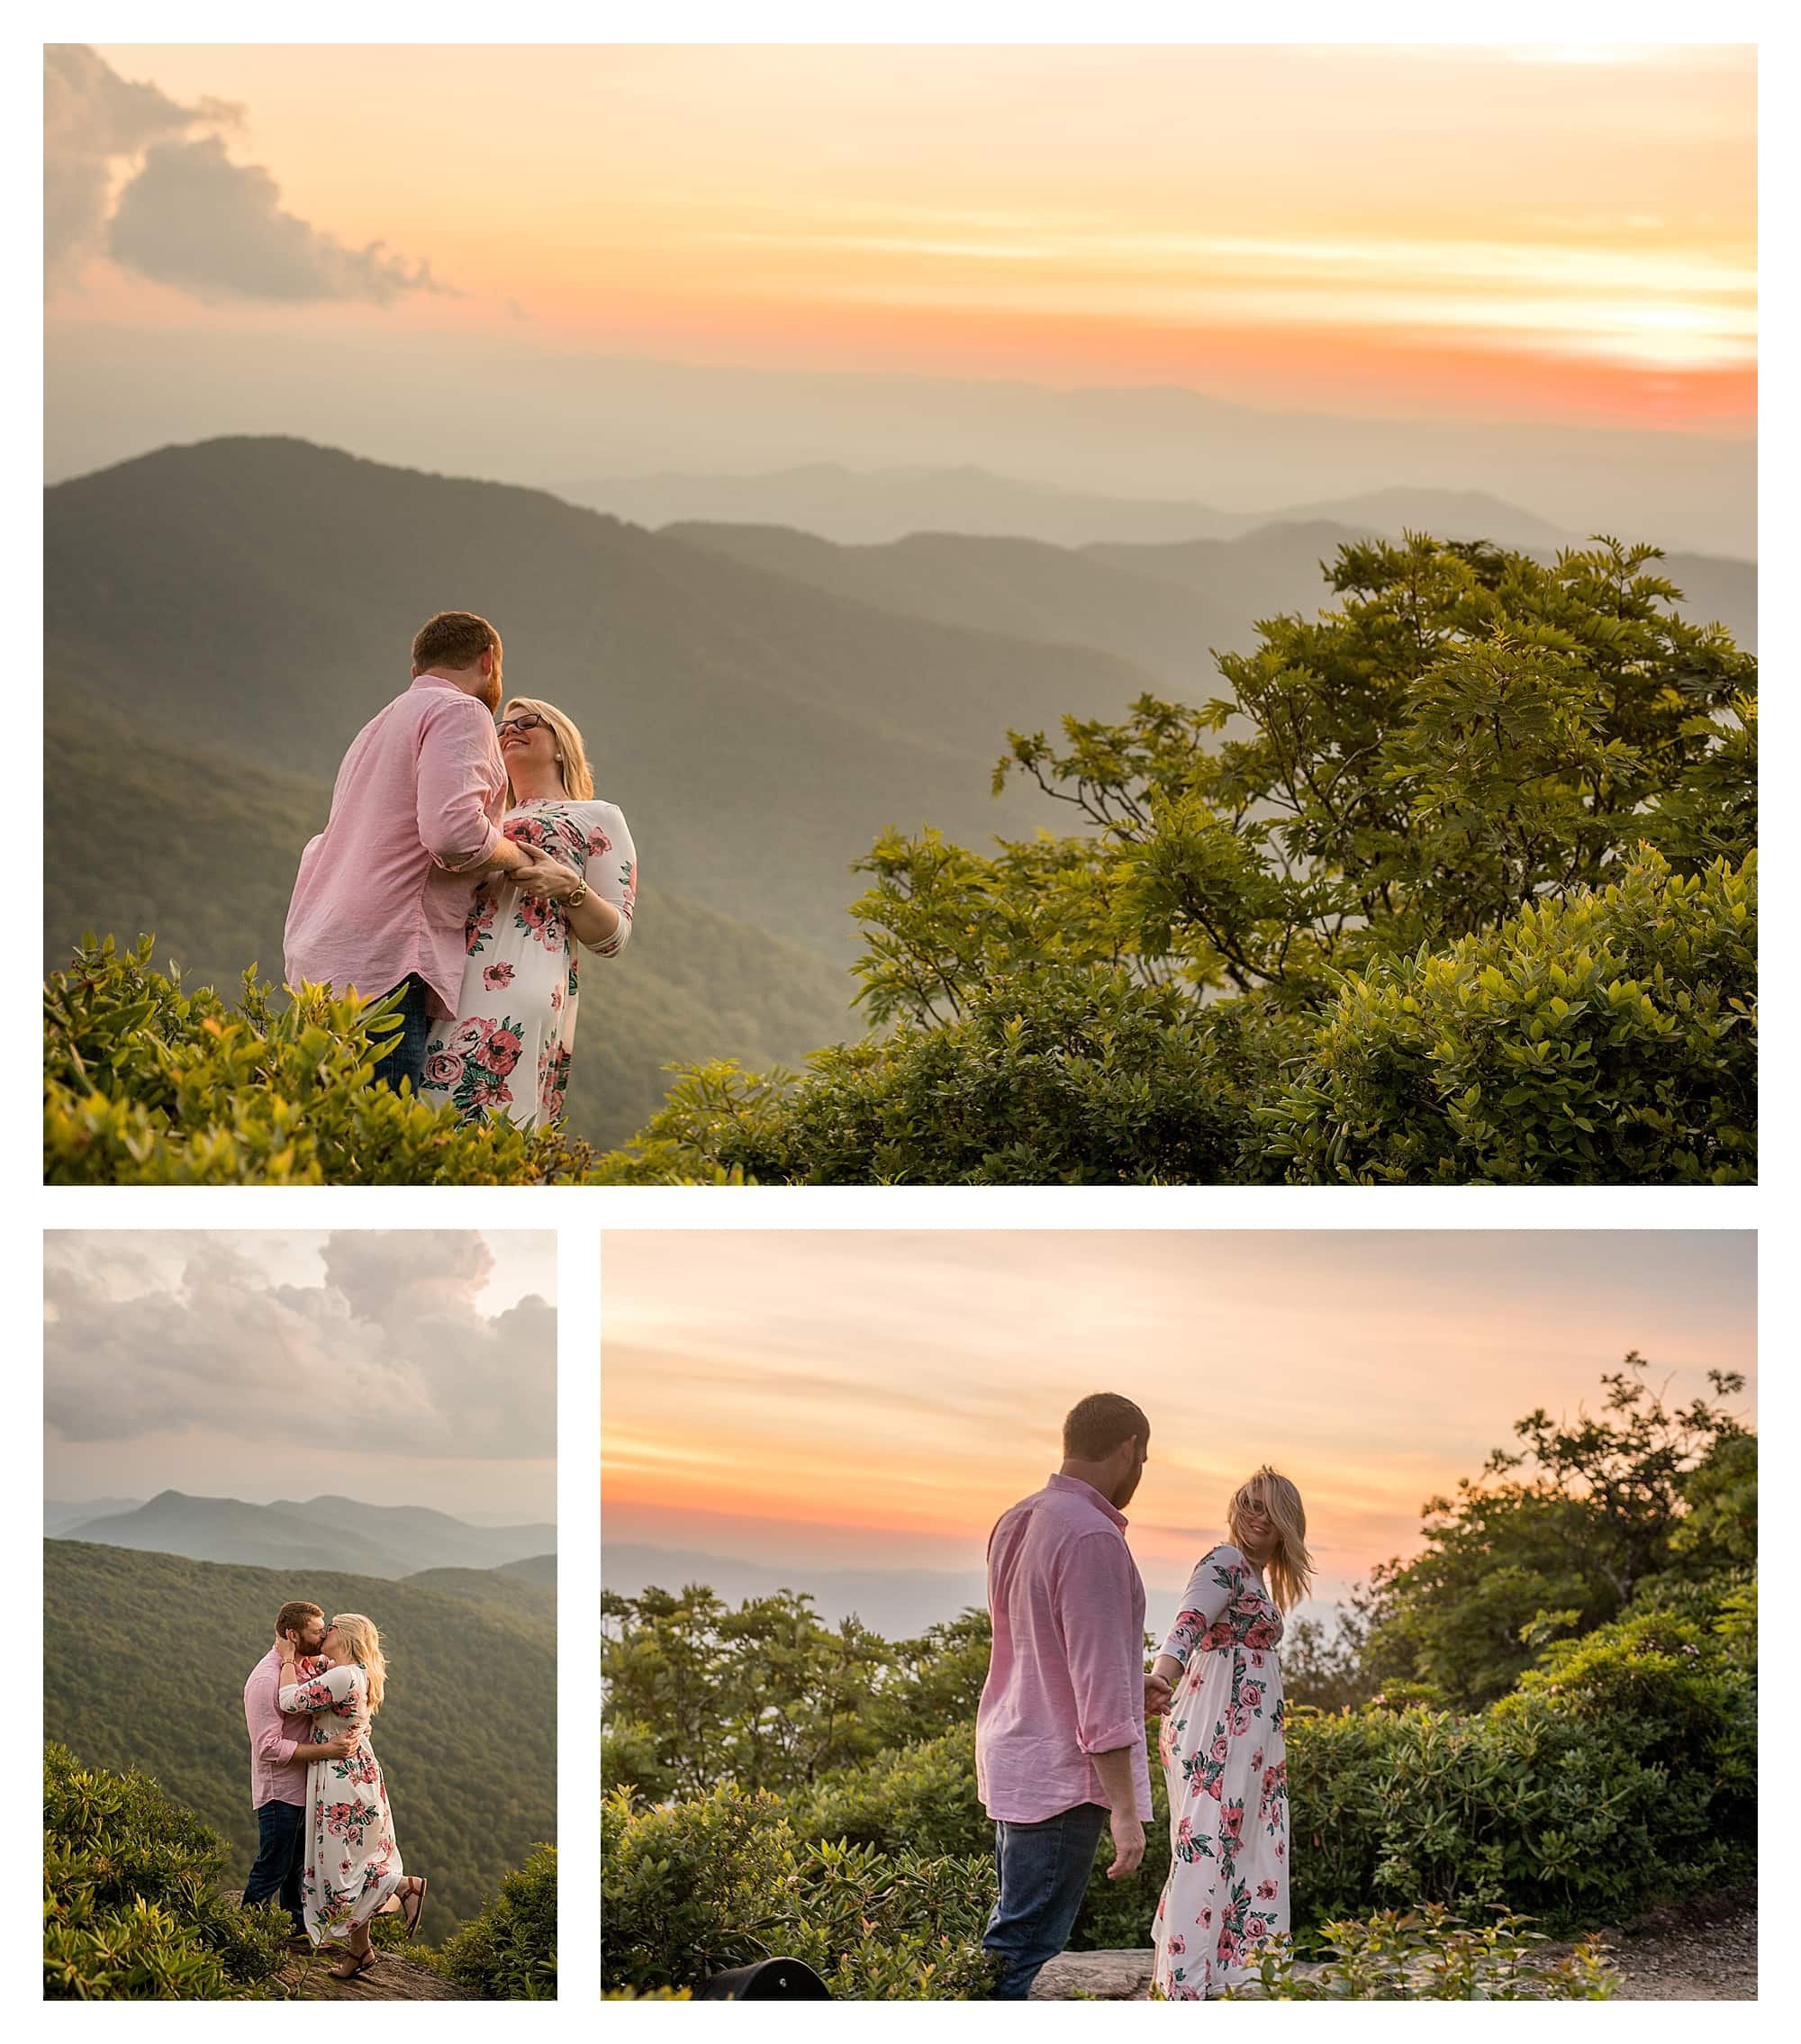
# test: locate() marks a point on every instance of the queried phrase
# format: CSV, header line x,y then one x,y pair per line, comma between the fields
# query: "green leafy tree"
x,y
1557,1535
766,1696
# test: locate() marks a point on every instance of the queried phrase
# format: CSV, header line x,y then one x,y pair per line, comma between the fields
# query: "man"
x,y
385,889
280,1751
1060,1731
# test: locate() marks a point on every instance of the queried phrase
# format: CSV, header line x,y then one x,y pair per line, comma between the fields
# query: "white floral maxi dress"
x,y
1226,1768
511,1042
352,1862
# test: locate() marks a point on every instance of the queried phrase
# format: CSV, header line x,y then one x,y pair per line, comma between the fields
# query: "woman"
x,y
1223,1749
353,1866
509,1043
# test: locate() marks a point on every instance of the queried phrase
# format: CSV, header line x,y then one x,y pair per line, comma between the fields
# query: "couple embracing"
x,y
325,1839
1060,1733
465,867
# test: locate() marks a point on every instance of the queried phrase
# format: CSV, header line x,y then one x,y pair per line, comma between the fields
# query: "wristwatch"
x,y
579,897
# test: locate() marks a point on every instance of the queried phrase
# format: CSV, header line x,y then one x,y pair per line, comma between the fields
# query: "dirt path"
x,y
1705,1952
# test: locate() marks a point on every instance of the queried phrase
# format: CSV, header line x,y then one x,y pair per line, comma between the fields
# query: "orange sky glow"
x,y
1396,231
879,1398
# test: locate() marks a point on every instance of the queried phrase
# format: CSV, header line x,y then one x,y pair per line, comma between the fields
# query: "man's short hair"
x,y
293,1618
453,638
1096,1427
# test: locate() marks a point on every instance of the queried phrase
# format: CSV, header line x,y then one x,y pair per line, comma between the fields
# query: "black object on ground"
x,y
769,1980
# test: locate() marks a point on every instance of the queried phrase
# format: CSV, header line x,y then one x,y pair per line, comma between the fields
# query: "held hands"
x,y
1157,1694
547,880
1128,1845
339,1749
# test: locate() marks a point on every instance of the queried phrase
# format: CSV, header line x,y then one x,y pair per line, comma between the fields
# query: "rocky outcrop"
x,y
392,1979
1095,1977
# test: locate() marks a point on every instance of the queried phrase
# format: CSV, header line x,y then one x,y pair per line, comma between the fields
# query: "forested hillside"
x,y
145,1658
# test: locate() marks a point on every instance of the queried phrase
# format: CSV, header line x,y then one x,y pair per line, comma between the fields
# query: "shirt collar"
x,y
437,681
1075,1484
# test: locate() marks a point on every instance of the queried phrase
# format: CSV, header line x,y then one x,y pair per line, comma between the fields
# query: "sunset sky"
x,y
874,1400
204,1361
1559,232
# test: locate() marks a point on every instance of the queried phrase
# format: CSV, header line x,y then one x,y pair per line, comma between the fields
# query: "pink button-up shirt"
x,y
1066,1677
277,1776
385,889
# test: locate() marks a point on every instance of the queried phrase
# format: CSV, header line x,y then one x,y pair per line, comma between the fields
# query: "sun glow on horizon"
x,y
1559,232
892,1393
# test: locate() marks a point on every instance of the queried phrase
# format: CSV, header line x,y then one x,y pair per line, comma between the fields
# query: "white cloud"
x,y
389,1348
186,215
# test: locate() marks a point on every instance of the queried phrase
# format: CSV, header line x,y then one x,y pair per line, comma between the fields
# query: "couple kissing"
x,y
326,1847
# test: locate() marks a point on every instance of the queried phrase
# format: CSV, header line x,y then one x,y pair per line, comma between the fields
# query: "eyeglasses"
x,y
530,721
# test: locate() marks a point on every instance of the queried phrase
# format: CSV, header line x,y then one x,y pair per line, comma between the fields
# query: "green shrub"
x,y
692,1889
146,1083
1429,1956
1338,1810
131,1904
1606,1038
1085,1079
509,1953
921,1796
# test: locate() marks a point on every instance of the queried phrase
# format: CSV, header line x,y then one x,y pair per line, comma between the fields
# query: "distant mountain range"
x,y
1165,608
873,505
565,414
323,1532
898,1603
60,1513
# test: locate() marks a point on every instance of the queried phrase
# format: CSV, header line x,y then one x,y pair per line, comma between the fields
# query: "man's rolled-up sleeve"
x,y
1095,1598
456,782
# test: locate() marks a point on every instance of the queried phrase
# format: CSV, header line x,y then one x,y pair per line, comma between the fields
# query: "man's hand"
x,y
1157,1694
336,1748
547,879
1128,1845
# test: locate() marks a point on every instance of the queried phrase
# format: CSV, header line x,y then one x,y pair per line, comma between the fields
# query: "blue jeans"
x,y
281,1837
406,1058
1043,1869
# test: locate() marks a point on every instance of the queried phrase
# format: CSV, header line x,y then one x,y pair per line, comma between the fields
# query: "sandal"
x,y
359,1963
417,1899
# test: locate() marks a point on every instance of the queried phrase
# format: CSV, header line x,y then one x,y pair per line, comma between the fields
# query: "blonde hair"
x,y
363,1643
1290,1569
578,782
